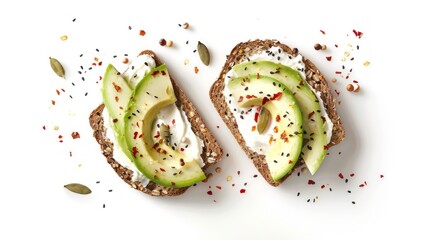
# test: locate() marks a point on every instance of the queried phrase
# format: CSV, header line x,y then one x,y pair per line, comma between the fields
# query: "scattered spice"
x,y
196,70
381,176
125,60
229,178
186,61
75,135
323,32
242,190
329,58
169,43
366,63
357,33
333,80
64,37
218,170
350,87
210,192
340,175
185,25
162,42
141,33
357,88
310,182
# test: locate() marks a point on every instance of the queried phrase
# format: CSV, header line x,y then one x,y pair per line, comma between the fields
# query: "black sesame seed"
x,y
330,189
70,96
282,154
346,180
86,94
81,55
353,202
227,155
275,161
246,88
126,54
74,19
155,97
194,51
145,63
83,79
308,200
255,176
97,182
298,194
110,190
309,147
129,28
97,50
187,42
104,205
115,56
299,173
349,191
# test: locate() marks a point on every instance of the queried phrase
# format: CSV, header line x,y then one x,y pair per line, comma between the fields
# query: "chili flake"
x,y
142,33
242,190
357,33
75,135
310,182
329,58
341,175
210,192
196,70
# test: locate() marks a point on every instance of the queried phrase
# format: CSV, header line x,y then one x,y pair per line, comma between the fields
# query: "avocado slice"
x,y
156,160
315,139
116,94
255,90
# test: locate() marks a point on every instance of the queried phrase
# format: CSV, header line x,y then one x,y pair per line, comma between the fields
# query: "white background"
x,y
386,123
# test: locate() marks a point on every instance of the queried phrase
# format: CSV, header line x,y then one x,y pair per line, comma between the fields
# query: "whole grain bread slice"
x,y
240,53
212,151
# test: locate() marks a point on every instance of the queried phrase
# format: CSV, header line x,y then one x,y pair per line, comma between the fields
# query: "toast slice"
x,y
241,53
211,154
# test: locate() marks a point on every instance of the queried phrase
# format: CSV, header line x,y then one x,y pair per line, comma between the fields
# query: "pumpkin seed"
x,y
57,67
263,120
165,133
203,51
78,188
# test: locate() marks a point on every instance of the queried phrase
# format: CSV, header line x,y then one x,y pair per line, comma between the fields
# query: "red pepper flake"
x,y
265,100
58,92
210,192
253,128
278,118
75,135
100,78
136,134
53,102
290,162
250,96
361,185
242,190
233,185
381,176
325,147
352,174
217,126
116,98
142,33
329,58
240,99
196,70
117,88
99,64
276,129
355,81
182,149
365,182
94,64
337,72
60,136
337,92
154,73
256,116
310,182
310,114
173,121
276,96
156,136
357,33
340,175
284,137
219,187
182,162
162,169
135,151
323,32
323,186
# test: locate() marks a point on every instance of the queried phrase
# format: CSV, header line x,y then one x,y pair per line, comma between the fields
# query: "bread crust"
x,y
212,151
239,54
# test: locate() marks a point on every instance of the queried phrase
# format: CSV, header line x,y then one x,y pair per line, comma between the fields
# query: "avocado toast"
x,y
153,127
278,106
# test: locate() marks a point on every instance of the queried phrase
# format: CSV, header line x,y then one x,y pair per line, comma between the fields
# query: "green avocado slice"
x,y
116,94
315,139
253,90
156,160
